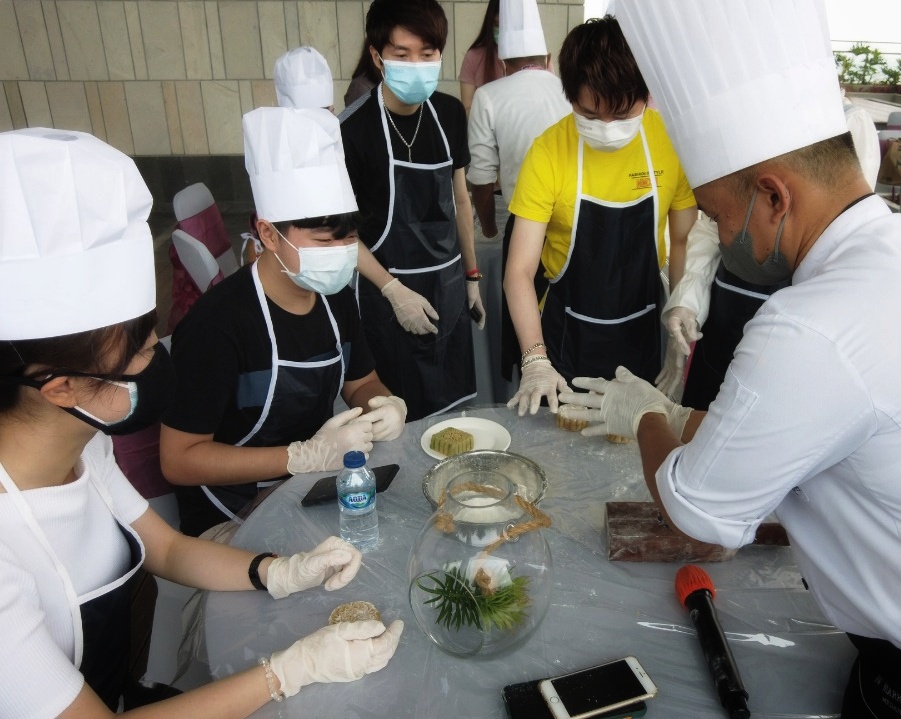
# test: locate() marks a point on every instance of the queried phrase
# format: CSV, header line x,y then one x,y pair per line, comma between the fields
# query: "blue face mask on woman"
x,y
411,82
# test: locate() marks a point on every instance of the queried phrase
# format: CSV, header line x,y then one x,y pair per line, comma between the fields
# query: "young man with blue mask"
x,y
262,357
406,153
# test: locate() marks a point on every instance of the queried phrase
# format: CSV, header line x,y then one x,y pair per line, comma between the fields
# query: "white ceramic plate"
x,y
485,434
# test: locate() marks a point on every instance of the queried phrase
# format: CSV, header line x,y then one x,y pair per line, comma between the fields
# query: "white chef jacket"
x,y
506,116
808,424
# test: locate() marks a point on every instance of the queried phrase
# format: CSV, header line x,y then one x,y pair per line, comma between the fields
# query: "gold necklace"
x,y
418,121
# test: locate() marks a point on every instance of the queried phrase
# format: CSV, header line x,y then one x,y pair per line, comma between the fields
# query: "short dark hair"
x,y
79,352
423,18
826,163
339,225
596,55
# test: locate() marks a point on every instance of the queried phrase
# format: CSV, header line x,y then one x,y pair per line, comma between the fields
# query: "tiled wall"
x,y
164,78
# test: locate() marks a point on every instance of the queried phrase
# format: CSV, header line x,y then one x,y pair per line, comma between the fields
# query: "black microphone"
x,y
695,590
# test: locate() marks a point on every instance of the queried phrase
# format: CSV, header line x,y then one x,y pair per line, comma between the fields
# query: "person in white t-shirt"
x,y
807,423
79,360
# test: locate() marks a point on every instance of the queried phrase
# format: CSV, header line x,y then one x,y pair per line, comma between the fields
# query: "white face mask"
x,y
326,270
608,136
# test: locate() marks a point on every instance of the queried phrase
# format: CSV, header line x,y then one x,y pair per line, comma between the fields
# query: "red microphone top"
x,y
691,578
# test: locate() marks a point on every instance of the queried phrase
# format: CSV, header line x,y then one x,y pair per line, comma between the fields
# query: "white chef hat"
x,y
519,30
303,79
295,160
737,82
76,253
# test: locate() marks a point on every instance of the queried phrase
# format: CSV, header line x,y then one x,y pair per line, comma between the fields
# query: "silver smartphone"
x,y
599,689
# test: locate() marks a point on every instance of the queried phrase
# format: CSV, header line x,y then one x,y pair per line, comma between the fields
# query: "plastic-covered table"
x,y
793,663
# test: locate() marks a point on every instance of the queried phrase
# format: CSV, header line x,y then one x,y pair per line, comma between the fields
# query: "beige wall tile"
x,y
273,34
170,103
136,39
467,21
319,28
263,92
555,22
147,114
292,24
449,69
241,46
115,116
6,119
14,103
576,16
34,102
214,28
222,105
116,42
33,32
245,92
95,110
82,39
12,54
55,36
191,118
161,31
69,106
352,31
196,39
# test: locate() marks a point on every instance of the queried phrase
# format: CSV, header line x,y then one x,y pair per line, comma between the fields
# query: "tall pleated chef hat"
x,y
76,253
519,30
303,79
736,82
295,159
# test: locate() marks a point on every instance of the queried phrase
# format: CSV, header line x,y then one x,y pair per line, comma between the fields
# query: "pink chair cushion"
x,y
208,227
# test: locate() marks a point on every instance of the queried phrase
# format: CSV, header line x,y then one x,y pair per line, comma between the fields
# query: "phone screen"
x,y
598,687
325,490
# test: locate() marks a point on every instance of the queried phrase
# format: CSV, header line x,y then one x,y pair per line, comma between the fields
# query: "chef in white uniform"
x,y
808,420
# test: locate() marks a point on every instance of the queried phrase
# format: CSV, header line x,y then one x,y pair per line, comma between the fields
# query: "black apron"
x,y
733,302
101,619
419,246
602,309
300,399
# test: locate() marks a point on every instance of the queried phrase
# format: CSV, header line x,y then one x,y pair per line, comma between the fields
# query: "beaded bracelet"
x,y
532,349
533,360
279,695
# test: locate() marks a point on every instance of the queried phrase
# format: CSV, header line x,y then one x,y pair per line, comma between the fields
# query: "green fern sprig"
x,y
461,602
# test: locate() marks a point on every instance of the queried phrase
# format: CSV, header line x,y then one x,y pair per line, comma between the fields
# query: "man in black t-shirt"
x,y
406,150
262,356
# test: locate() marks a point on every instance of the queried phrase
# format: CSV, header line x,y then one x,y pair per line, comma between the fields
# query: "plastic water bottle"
x,y
358,518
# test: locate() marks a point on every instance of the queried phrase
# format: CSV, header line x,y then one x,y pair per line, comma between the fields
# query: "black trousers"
x,y
874,687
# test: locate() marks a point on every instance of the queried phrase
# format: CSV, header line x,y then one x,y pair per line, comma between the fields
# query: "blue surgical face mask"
x,y
411,82
326,270
739,258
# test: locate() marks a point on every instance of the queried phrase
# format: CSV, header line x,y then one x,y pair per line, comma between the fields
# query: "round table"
x,y
793,663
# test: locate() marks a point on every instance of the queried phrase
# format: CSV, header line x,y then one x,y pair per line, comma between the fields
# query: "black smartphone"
x,y
325,490
524,701
476,314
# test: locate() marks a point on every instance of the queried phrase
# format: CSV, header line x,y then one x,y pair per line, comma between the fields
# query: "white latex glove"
x,y
341,652
411,308
388,415
682,327
474,298
539,379
343,433
616,406
670,377
334,558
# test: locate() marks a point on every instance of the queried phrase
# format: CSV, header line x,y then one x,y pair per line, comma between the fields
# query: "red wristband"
x,y
473,272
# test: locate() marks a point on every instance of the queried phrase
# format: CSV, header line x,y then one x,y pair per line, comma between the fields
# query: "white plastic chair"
x,y
193,200
894,121
197,259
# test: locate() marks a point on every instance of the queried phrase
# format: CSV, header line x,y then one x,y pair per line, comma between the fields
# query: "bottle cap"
x,y
355,459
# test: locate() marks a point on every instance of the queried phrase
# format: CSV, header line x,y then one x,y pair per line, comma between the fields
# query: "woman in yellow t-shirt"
x,y
591,203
